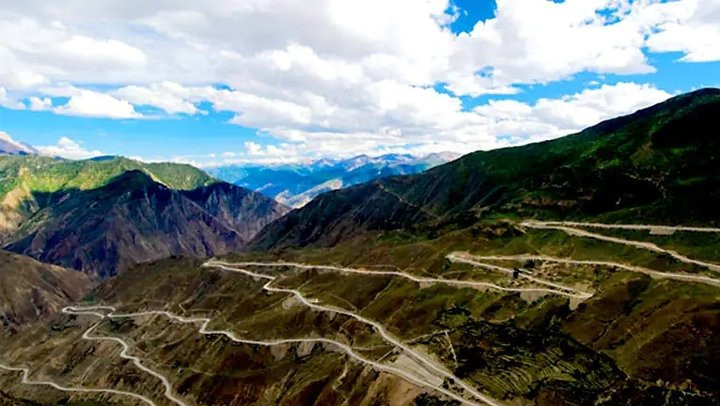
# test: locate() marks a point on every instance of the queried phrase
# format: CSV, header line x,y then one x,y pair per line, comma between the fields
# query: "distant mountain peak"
x,y
104,216
8,146
448,156
324,162
133,179
298,184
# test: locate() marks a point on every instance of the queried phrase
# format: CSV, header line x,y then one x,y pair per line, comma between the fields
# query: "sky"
x,y
219,82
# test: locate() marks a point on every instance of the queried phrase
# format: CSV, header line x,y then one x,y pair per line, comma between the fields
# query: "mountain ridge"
x,y
296,184
612,167
8,146
25,177
133,218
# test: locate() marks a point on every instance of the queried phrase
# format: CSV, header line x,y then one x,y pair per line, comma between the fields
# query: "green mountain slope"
x,y
658,163
22,178
133,219
46,174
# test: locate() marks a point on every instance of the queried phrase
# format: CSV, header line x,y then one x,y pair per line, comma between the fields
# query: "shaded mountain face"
x,y
26,178
32,291
660,162
244,211
296,185
134,219
337,216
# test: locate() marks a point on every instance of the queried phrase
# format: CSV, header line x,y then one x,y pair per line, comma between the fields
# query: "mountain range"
x,y
297,184
104,215
576,271
8,146
658,163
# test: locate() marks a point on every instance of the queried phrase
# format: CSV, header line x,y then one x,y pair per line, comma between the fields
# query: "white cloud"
x,y
253,148
40,103
22,79
258,111
345,76
550,118
36,50
691,27
8,102
109,52
519,46
594,105
95,104
68,148
397,116
168,96
325,41
497,123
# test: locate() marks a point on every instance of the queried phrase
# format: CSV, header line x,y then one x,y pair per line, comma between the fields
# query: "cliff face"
x,y
245,211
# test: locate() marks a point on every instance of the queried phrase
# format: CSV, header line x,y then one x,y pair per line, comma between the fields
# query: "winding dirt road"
x,y
348,350
125,353
653,273
563,226
465,258
561,290
432,367
27,381
424,359
660,229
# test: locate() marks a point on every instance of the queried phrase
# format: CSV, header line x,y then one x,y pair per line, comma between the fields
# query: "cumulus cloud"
x,y
593,105
497,123
253,148
40,103
68,148
518,122
329,41
539,41
346,76
691,27
167,96
96,52
9,102
89,103
36,50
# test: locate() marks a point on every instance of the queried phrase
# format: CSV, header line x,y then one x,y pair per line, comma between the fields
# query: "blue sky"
x,y
209,84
